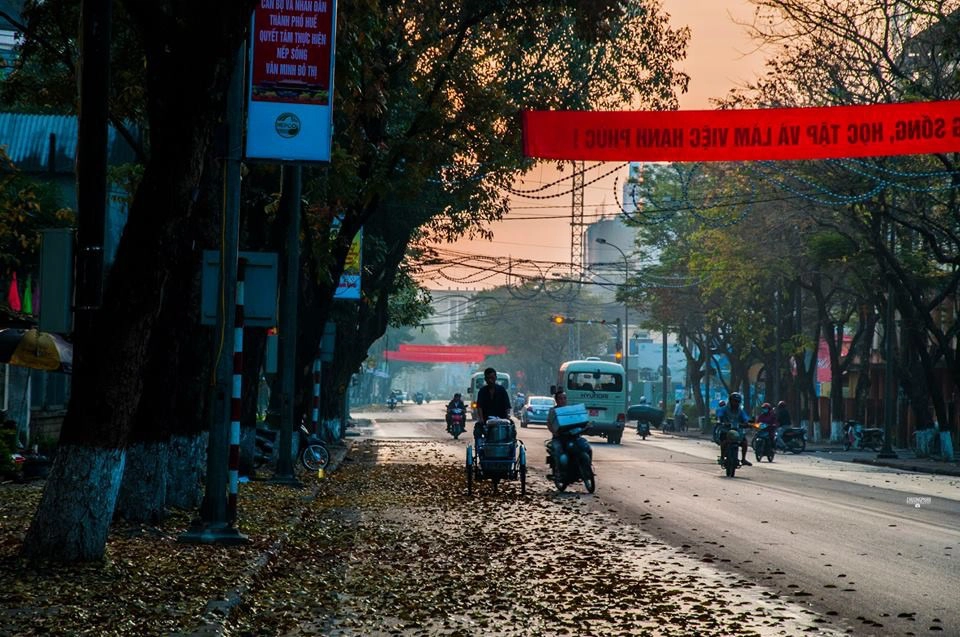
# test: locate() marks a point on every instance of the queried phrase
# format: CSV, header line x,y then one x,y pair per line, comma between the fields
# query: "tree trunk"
x,y
74,515
186,470
143,491
185,91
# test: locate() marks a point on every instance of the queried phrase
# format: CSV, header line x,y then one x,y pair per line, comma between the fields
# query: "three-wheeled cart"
x,y
498,456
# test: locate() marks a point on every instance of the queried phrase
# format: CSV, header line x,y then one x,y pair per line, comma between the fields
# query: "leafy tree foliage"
x,y
521,321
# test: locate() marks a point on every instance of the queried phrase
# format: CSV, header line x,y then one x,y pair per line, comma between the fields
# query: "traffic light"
x,y
618,356
558,319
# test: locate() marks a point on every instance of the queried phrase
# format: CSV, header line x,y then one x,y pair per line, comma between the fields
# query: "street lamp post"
x,y
626,327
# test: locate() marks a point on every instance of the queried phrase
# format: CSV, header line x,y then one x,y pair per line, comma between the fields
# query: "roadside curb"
x,y
906,465
912,464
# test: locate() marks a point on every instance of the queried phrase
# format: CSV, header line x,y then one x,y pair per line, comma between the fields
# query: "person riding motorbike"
x,y
455,403
556,447
733,416
769,418
783,415
493,401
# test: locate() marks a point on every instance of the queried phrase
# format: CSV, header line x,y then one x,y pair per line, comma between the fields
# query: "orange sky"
x,y
719,56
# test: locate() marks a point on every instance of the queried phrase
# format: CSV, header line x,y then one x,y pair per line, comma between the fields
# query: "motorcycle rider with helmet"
x,y
455,403
733,416
769,418
783,415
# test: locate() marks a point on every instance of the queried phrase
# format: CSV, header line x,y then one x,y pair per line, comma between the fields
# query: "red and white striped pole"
x,y
235,395
315,415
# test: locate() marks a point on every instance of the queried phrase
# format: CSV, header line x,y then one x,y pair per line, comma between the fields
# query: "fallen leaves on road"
x,y
390,544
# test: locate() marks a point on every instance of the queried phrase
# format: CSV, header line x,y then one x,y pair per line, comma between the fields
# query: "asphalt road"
x,y
873,546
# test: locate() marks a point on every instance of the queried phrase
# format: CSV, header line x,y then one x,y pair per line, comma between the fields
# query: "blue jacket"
x,y
735,418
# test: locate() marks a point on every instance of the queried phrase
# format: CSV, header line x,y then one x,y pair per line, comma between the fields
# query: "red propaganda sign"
x,y
742,135
291,51
290,98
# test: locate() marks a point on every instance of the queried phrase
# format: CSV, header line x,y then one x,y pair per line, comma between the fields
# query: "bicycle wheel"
x,y
315,457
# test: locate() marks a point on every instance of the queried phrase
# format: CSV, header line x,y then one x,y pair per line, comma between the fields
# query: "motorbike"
x,y
764,442
729,440
576,458
643,429
392,402
455,424
418,398
792,439
860,437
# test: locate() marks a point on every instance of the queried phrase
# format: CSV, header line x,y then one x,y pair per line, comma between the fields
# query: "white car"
x,y
535,410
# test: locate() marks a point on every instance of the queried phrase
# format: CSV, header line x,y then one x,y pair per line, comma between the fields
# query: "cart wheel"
x,y
522,462
469,469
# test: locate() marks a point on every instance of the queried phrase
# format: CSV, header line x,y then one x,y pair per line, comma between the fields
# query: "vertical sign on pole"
x,y
290,101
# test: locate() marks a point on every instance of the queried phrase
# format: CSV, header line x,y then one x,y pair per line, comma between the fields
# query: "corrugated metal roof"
x,y
28,140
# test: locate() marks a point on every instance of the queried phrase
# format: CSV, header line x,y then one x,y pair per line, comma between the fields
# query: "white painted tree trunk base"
x,y
73,519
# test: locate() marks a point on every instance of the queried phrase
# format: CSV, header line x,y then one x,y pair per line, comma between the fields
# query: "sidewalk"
x,y
906,459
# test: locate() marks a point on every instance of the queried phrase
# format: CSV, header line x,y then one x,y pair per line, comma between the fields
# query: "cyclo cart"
x,y
499,456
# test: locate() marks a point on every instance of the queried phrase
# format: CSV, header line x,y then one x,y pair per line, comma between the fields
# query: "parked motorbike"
x,y
418,398
643,429
860,437
455,423
764,442
792,439
576,460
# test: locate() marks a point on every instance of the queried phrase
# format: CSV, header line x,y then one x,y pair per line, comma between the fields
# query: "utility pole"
x,y
214,525
91,171
290,204
626,327
889,387
666,372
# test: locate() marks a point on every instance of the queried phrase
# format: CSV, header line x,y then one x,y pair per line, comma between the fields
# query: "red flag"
x,y
13,296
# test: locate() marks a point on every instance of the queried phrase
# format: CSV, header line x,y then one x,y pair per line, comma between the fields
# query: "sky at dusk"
x,y
720,56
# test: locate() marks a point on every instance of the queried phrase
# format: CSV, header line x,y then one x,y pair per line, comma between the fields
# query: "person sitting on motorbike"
x,y
733,416
493,401
455,403
556,446
783,415
769,418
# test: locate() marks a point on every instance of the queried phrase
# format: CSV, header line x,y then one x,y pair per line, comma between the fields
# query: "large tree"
x,y
426,102
187,67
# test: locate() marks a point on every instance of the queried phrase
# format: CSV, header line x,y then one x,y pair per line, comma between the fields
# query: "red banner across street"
x,y
434,357
487,350
743,135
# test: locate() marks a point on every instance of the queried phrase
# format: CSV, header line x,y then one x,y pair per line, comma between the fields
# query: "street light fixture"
x,y
626,327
